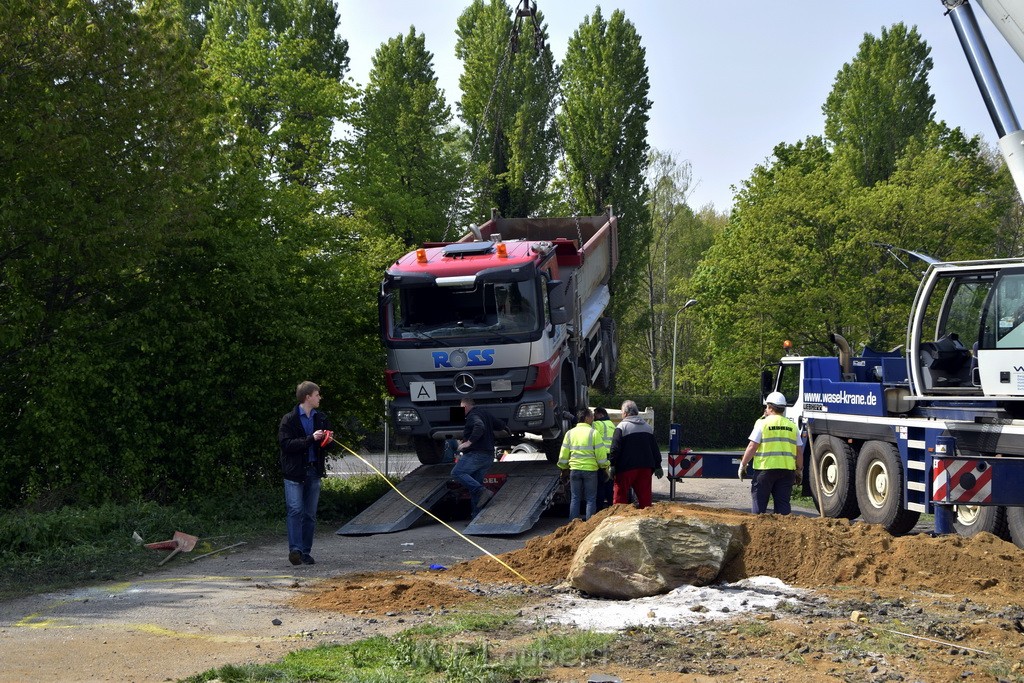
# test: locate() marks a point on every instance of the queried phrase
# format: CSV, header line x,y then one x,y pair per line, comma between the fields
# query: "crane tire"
x,y
969,520
836,463
1015,525
880,483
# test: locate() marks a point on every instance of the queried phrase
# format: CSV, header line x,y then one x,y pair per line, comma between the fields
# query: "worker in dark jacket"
x,y
634,456
303,434
477,453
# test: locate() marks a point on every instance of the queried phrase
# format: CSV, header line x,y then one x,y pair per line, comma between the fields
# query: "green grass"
x,y
449,654
49,550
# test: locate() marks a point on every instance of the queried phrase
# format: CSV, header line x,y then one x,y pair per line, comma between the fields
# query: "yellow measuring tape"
x,y
448,526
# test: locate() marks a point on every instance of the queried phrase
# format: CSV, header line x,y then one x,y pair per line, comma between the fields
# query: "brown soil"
x,y
961,598
959,602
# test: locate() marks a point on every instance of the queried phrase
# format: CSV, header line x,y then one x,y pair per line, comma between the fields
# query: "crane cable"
x,y
524,9
509,45
435,517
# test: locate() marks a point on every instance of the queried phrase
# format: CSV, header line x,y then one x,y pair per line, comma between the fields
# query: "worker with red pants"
x,y
635,456
777,449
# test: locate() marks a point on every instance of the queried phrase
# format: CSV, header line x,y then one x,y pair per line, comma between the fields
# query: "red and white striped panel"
x,y
684,465
961,481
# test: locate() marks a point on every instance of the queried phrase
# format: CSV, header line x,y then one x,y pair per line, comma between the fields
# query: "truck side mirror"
x,y
766,383
556,302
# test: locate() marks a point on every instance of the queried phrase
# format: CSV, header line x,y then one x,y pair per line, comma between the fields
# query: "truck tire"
x,y
553,447
429,451
969,520
880,488
837,465
1015,525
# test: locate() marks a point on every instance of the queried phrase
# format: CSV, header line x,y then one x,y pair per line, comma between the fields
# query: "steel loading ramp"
x,y
425,485
525,494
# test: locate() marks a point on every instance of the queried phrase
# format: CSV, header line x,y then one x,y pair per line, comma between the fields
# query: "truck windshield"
x,y
443,313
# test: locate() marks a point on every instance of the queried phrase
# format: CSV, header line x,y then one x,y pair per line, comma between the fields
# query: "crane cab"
x,y
965,337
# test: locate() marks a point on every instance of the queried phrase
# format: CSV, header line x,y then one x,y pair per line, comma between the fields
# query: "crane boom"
x,y
1008,16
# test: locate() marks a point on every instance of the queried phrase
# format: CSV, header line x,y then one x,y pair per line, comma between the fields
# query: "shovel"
x,y
180,543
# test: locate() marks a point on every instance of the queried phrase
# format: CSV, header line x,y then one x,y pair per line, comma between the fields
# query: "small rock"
x,y
276,622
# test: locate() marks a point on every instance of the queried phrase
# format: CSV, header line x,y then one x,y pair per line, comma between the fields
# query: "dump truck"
x,y
513,314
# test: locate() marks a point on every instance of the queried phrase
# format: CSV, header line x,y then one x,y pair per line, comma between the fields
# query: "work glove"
x,y
742,472
658,472
611,472
799,478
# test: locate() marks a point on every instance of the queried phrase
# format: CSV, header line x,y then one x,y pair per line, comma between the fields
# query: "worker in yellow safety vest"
x,y
605,429
777,449
581,457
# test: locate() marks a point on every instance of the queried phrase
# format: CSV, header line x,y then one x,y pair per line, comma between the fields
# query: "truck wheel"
x,y
972,519
1015,525
429,451
553,447
836,464
880,488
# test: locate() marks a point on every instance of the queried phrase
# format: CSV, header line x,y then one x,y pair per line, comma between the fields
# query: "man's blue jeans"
x,y
470,471
582,489
300,500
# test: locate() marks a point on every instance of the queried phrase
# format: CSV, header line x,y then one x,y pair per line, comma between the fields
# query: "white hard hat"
x,y
776,399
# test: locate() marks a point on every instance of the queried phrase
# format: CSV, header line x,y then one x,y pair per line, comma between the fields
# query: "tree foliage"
x,y
678,239
603,127
879,102
800,259
404,161
101,142
508,106
173,268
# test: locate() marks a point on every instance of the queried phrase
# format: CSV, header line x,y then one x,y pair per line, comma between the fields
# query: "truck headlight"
x,y
530,411
407,416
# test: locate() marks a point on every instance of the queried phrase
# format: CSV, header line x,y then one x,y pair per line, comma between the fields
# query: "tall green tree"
x,y
798,259
879,102
103,150
603,127
404,161
508,105
279,67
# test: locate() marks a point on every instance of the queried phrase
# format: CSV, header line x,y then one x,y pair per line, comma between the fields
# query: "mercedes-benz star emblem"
x,y
464,383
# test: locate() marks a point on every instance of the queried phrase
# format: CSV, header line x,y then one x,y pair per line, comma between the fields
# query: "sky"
x,y
729,79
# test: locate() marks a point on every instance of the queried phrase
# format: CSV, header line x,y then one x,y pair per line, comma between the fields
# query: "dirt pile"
x,y
384,593
802,551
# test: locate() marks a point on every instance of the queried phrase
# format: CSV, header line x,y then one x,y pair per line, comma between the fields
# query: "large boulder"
x,y
634,557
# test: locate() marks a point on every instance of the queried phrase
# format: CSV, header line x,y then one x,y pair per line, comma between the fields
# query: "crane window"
x,y
1004,318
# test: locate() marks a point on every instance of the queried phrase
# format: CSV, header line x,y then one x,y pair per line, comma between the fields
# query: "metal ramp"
x,y
518,504
425,485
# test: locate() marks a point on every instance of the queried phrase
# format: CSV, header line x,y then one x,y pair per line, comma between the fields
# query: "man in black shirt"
x,y
477,453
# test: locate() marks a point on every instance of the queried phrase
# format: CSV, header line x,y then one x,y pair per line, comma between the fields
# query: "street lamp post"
x,y
675,336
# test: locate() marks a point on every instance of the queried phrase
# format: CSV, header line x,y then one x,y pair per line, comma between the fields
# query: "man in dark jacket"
x,y
634,456
477,453
303,434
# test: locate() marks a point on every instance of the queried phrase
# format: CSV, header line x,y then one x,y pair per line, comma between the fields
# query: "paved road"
x,y
727,492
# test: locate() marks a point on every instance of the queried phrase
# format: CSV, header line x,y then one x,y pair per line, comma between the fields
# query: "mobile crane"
x,y
939,429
